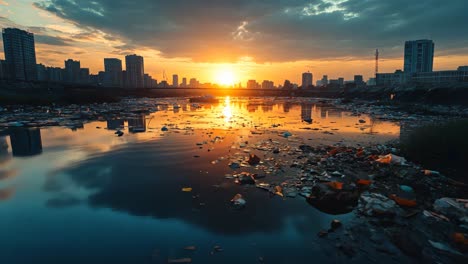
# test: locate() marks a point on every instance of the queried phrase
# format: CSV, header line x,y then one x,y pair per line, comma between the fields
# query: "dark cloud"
x,y
274,30
51,40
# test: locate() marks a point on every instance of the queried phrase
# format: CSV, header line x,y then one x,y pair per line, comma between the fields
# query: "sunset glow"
x,y
224,77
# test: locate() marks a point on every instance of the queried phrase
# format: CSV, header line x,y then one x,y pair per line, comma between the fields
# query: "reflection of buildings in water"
x,y
306,112
184,107
406,129
333,112
115,124
286,107
3,150
267,108
163,107
137,124
322,113
176,110
252,108
26,141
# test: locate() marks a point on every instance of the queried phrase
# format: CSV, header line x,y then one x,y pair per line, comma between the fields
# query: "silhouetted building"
x,y
135,71
287,85
340,81
149,82
55,74
184,82
42,73
175,80
359,80
419,56
84,75
26,141
113,73
441,77
20,54
137,124
267,84
307,80
72,71
391,79
194,83
252,84
3,70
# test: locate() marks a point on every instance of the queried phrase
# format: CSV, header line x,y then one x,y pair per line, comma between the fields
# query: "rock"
x,y
452,208
245,178
238,201
335,224
322,233
218,249
234,165
443,247
253,160
164,129
287,134
374,204
362,121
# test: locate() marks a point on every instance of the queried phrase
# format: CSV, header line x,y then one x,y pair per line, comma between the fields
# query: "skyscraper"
x,y
135,71
358,80
3,70
419,56
113,72
20,54
184,82
72,71
175,80
307,80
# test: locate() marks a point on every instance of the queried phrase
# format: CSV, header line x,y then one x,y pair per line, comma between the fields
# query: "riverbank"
x,y
41,93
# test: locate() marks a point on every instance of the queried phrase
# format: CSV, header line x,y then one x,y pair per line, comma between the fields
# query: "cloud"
x,y
51,40
276,30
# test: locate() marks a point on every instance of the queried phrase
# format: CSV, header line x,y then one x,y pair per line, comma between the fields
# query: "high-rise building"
x,y
419,56
307,80
184,82
341,81
359,80
266,84
72,71
175,80
20,54
113,72
324,80
84,75
42,73
54,74
252,84
194,83
135,71
3,70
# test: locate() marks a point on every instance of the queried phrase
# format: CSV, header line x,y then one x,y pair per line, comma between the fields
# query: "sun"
x,y
224,77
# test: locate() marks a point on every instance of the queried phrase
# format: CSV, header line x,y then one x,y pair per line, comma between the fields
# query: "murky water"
x,y
88,196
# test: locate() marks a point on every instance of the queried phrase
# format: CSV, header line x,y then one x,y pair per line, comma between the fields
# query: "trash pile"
x,y
388,193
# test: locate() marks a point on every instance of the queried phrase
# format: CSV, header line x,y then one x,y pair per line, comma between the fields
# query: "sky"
x,y
242,39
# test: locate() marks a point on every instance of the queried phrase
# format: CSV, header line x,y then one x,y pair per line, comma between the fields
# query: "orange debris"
x,y
403,202
335,185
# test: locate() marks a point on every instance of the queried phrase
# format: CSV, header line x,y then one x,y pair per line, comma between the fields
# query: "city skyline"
x,y
237,43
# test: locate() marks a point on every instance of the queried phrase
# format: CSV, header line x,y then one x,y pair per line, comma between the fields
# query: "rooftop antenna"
x,y
376,62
